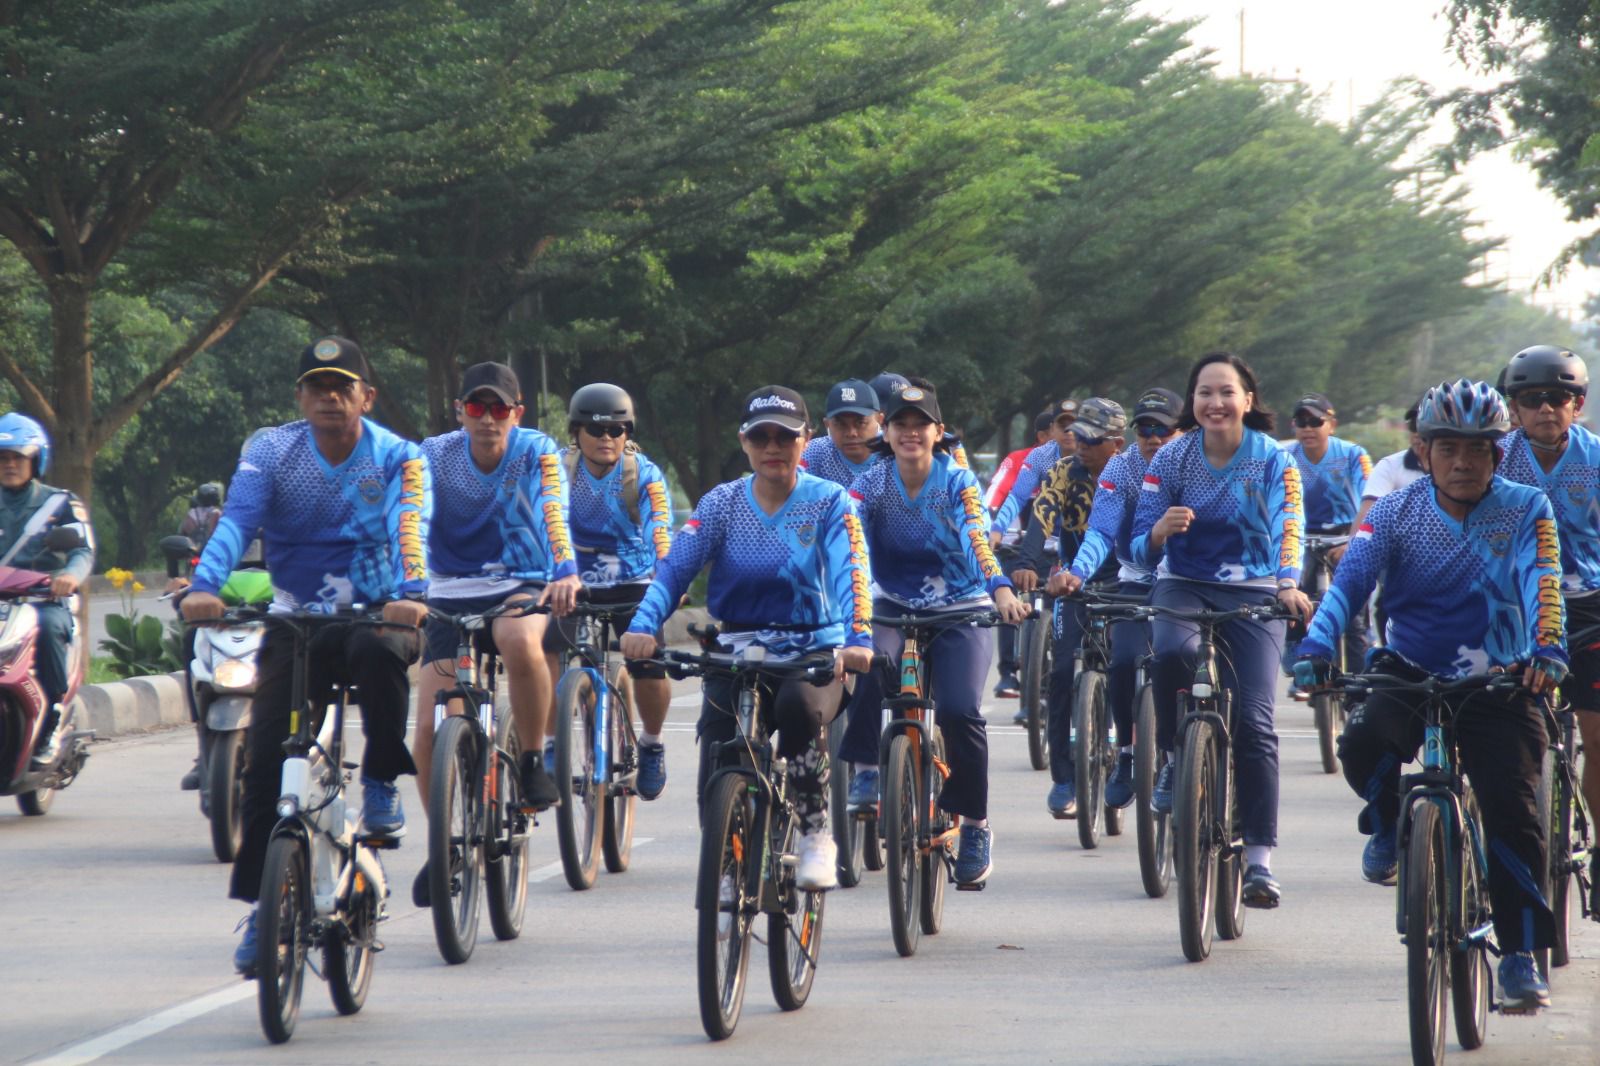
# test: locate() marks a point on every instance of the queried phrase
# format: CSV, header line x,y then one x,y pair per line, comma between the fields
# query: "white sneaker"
x,y
818,867
727,895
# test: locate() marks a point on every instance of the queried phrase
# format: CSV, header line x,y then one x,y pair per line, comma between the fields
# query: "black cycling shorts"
x,y
1581,689
561,637
442,636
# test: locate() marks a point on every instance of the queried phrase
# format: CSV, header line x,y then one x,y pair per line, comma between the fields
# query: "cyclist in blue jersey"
x,y
1548,387
621,527
499,535
1062,444
789,573
1110,532
854,422
927,530
1470,562
343,508
1224,504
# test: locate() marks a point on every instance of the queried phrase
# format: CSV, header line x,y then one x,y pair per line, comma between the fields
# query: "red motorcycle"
x,y
24,713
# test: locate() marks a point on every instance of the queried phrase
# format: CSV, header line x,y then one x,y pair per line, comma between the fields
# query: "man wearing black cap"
x,y
343,507
854,421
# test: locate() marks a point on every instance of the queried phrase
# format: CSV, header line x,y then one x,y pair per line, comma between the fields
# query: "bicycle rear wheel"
x,y
794,935
1033,642
1194,848
1230,873
283,936
616,840
726,914
936,823
505,867
349,948
1469,968
1154,830
846,827
1088,753
455,831
1547,803
901,797
1427,934
580,817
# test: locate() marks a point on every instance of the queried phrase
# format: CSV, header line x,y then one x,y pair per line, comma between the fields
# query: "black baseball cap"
x,y
852,397
1159,405
914,397
334,355
1316,403
1044,420
781,407
492,377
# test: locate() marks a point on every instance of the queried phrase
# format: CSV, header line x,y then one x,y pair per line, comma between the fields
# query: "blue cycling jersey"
x,y
1248,525
1111,521
822,458
1461,596
507,524
1026,486
932,551
1573,488
804,567
1332,487
612,548
333,535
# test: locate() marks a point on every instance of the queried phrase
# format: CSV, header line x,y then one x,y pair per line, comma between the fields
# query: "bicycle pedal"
x,y
976,887
378,843
1260,904
1519,1011
789,859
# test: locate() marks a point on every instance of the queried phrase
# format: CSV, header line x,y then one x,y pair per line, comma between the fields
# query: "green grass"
x,y
100,670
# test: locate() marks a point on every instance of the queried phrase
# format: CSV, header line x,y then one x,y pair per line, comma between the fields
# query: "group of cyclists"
x,y
1481,541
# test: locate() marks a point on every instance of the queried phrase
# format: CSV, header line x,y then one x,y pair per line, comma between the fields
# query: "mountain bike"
x,y
1035,652
1094,751
477,828
1329,707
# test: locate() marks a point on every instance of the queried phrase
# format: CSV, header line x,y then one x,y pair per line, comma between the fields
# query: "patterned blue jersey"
x,y
509,524
1111,520
1573,487
332,535
822,458
804,566
1248,526
612,548
1333,487
1461,596
1026,486
933,551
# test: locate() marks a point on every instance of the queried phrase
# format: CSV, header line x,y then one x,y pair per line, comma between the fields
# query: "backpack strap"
x,y
36,523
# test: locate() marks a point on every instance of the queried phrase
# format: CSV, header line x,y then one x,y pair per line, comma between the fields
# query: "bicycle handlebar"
x,y
817,667
981,617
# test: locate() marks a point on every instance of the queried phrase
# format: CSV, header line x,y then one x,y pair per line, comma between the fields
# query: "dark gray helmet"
x,y
601,402
1545,366
208,495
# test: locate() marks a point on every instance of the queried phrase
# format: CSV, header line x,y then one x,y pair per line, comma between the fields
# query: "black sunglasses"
x,y
605,431
1309,421
1534,400
762,438
1154,429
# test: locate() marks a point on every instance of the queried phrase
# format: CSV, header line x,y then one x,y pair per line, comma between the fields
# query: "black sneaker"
x,y
538,789
191,780
1261,889
419,888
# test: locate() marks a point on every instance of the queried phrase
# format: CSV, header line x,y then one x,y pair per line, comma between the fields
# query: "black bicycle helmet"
x,y
1545,366
601,402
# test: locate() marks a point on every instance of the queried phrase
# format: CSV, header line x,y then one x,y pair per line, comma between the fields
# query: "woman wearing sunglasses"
x,y
928,533
788,573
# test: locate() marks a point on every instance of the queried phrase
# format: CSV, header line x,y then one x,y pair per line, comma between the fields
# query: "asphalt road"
x,y
117,939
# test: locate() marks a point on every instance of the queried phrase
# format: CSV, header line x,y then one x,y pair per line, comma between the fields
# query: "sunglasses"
x,y
605,431
1535,400
1091,442
477,408
1154,429
762,438
1309,421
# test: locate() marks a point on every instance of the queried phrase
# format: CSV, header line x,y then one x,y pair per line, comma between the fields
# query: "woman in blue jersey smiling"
x,y
788,572
1222,510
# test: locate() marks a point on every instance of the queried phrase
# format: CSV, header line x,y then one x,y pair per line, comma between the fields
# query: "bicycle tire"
x,y
1230,871
283,936
1088,754
1154,831
225,794
1427,934
871,844
455,844
722,945
1034,645
580,820
1194,852
1325,708
902,863
1469,968
616,838
794,934
505,870
1546,800
936,822
847,828
1561,871
348,953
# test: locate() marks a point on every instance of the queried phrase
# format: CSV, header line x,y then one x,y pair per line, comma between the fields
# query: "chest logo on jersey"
x,y
1578,494
370,489
805,533
1498,542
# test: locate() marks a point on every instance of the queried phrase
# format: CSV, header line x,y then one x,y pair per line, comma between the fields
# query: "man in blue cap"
x,y
854,420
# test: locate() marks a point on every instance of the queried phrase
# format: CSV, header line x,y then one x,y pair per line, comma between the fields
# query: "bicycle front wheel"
x,y
726,915
903,864
455,839
1154,830
580,819
794,935
1194,850
938,822
1469,967
1427,934
1034,643
1088,751
283,936
505,866
617,839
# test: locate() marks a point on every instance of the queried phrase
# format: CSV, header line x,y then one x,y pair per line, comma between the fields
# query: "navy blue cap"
x,y
852,397
1159,405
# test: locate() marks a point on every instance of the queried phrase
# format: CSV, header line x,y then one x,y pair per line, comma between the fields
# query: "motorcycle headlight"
x,y
234,673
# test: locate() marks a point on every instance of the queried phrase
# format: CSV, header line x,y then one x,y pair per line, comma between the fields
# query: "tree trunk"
x,y
72,434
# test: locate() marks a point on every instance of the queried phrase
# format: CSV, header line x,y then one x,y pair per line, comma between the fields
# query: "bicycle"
x,y
477,828
322,884
919,838
749,831
1564,818
1329,708
855,832
1152,829
1094,752
1035,651
597,751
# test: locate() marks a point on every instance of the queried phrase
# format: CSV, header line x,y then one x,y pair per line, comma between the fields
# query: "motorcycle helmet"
x,y
208,495
21,434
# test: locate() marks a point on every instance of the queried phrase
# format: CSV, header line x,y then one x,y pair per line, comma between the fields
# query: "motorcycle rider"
x,y
29,509
200,521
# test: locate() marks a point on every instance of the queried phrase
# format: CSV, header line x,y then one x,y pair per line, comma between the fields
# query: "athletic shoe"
x,y
652,779
1021,717
972,860
1521,987
864,788
1120,789
1161,795
538,787
244,956
726,898
420,893
1298,694
48,747
1008,687
191,780
817,868
1063,799
1261,889
550,757
381,811
1379,862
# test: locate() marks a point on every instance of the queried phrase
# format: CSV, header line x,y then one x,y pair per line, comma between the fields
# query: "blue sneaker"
x,y
1063,799
1522,990
972,860
1380,863
381,812
864,788
1119,789
244,956
652,779
1161,795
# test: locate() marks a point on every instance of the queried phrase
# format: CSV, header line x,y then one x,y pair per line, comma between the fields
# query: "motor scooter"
x,y
25,716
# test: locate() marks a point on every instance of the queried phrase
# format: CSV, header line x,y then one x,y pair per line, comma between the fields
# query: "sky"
x,y
1348,51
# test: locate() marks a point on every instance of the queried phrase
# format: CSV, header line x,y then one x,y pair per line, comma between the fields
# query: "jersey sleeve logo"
x,y
1151,483
1109,486
1365,531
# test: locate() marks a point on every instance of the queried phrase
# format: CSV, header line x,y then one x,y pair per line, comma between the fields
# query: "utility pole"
x,y
1241,42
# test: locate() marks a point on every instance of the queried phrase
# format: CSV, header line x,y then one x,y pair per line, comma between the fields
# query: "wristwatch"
x,y
1287,583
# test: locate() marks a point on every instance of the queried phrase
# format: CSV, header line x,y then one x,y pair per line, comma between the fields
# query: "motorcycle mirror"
x,y
63,539
178,547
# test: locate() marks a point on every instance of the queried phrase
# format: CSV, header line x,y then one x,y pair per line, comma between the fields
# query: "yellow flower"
x,y
118,577
138,586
